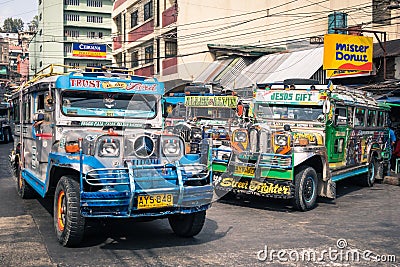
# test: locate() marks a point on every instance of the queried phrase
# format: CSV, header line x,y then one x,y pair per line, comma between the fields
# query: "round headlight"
x,y
109,148
281,140
171,148
240,137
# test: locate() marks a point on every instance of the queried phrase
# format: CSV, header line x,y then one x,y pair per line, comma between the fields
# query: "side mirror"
x,y
49,103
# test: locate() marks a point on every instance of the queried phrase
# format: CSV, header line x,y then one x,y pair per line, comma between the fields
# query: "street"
x,y
239,232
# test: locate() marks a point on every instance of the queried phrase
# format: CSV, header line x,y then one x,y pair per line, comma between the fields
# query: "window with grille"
x,y
148,10
134,19
170,49
94,64
71,2
94,3
91,35
67,48
148,54
71,33
72,64
134,59
71,17
94,19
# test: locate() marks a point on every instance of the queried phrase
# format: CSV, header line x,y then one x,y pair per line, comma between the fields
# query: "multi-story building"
x,y
176,39
72,32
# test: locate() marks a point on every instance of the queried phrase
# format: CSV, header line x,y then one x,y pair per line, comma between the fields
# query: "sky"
x,y
18,9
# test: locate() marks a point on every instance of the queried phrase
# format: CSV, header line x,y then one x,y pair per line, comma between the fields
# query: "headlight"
x,y
171,147
196,133
109,147
240,137
281,140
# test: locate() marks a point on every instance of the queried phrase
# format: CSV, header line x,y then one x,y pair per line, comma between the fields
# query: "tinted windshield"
x,y
281,112
102,104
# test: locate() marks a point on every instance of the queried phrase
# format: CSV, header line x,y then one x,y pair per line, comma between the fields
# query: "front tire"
x,y
306,185
24,190
6,135
368,179
187,225
68,222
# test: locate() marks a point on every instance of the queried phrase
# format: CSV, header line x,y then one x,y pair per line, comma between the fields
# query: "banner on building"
x,y
89,50
347,52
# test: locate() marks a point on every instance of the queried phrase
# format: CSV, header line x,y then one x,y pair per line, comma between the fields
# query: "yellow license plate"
x,y
244,170
155,201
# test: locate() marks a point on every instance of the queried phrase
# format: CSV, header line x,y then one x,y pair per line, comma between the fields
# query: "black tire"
x,y
368,179
10,136
306,186
379,174
69,224
24,190
187,225
6,135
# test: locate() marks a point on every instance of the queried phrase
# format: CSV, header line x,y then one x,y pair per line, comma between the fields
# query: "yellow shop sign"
x,y
347,52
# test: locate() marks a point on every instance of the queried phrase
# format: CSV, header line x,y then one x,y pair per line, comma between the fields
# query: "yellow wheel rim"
x,y
61,211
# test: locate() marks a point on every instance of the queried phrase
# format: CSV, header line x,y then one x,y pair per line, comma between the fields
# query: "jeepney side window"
x,y
338,146
350,115
39,103
371,118
26,108
359,117
16,110
340,116
381,118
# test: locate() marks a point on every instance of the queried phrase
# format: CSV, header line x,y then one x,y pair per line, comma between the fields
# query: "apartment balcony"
x,y
170,66
169,16
117,42
141,31
118,3
147,71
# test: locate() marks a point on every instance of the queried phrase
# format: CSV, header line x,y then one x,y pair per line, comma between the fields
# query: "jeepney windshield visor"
x,y
282,112
104,104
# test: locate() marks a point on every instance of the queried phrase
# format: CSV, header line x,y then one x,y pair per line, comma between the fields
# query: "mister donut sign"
x,y
348,52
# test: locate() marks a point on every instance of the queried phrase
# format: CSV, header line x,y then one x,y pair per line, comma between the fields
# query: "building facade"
x,y
170,39
72,32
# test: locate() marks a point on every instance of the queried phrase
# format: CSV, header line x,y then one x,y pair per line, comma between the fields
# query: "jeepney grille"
x,y
275,161
145,161
107,177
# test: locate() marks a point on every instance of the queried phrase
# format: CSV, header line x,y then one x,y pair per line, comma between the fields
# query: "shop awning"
x,y
224,71
275,68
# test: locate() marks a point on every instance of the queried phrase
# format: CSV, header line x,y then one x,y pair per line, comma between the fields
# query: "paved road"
x,y
245,232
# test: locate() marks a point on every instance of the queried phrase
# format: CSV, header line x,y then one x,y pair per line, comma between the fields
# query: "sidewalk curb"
x,y
392,180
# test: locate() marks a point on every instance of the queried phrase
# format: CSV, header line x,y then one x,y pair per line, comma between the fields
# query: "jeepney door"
x,y
42,131
336,134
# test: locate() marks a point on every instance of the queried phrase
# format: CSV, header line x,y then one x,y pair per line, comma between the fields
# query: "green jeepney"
x,y
303,140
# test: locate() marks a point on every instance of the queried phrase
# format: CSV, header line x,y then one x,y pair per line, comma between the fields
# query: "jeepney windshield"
x,y
283,112
211,113
104,104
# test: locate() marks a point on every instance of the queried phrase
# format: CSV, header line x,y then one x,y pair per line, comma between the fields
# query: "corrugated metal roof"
x,y
228,76
278,67
213,70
